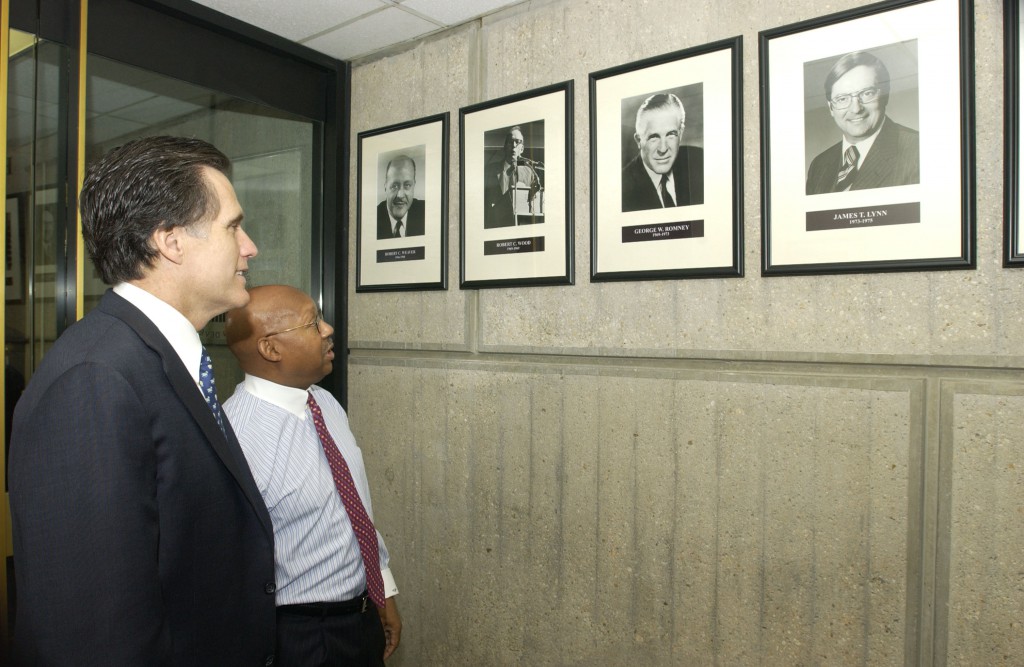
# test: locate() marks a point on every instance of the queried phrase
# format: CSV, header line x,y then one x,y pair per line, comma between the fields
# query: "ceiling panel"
x,y
349,29
372,32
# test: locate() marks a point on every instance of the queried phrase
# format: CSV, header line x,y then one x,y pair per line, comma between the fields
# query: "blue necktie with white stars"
x,y
209,387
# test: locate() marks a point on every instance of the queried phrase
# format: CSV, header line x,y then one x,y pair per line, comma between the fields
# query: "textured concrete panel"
x,y
986,591
548,506
430,79
924,315
579,519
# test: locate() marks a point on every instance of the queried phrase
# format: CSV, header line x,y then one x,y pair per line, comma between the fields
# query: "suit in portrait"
x,y
113,408
413,220
639,193
894,159
499,189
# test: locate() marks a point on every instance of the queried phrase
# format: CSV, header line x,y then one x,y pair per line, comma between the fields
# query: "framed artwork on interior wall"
x,y
402,183
1013,240
666,176
515,199
867,146
14,286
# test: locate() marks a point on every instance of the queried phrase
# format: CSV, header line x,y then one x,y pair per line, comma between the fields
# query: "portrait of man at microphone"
x,y
513,189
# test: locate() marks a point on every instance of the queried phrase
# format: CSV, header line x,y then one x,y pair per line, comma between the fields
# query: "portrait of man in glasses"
x,y
400,214
875,151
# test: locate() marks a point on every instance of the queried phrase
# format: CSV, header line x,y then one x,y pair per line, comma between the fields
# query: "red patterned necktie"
x,y
366,534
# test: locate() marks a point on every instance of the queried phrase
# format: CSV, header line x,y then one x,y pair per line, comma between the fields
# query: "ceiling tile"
x,y
371,33
454,12
295,19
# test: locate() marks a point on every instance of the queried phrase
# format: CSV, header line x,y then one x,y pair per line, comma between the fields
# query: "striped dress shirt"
x,y
316,555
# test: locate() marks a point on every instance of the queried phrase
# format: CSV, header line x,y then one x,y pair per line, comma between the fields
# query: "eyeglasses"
x,y
315,323
866,96
395,187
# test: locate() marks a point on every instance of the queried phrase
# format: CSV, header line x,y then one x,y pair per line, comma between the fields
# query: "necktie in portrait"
x,y
845,177
666,197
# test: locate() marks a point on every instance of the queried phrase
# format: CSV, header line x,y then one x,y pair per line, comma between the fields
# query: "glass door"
x,y
35,234
272,154
158,67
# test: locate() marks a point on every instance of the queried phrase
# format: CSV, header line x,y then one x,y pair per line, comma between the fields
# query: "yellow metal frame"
x,y
83,52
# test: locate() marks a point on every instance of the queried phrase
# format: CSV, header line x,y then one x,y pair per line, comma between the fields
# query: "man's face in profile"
x,y
400,188
658,138
857,104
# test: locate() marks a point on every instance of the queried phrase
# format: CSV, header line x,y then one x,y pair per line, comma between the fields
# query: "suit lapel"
x,y
875,172
650,197
226,448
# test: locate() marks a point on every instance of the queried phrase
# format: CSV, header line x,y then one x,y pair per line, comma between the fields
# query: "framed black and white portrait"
x,y
1013,240
516,189
868,141
666,173
402,209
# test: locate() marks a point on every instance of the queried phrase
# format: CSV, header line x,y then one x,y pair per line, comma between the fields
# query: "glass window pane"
x,y
273,156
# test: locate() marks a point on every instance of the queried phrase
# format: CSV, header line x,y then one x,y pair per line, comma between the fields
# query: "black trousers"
x,y
353,639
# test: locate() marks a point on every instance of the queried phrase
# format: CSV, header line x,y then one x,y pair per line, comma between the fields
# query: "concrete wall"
x,y
760,471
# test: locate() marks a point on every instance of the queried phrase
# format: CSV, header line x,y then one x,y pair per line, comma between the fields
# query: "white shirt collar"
x,y
864,145
174,326
288,398
656,179
402,220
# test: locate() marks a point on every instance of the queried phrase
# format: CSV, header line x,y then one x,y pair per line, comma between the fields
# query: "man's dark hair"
x,y
146,184
858,59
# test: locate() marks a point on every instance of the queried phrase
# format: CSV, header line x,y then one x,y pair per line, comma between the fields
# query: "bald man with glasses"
x,y
875,151
335,593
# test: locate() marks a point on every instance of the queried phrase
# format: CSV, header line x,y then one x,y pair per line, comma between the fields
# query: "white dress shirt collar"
x,y
864,145
395,220
174,326
655,177
287,398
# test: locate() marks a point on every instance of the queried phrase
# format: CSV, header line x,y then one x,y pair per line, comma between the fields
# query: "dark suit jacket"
x,y
140,537
894,159
497,203
639,193
413,221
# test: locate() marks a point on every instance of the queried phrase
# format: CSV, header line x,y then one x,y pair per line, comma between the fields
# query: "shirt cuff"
x,y
390,587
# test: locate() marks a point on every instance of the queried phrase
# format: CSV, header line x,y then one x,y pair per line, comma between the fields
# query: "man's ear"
x,y
167,242
636,138
267,348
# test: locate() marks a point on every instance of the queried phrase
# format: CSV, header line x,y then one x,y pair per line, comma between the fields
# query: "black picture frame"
x,y
633,235
913,210
419,259
1013,240
521,235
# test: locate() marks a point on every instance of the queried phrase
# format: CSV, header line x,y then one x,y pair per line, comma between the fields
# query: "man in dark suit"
x,y
140,537
502,176
664,173
400,214
875,151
